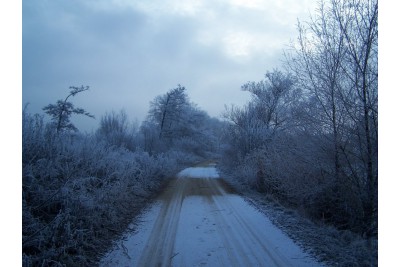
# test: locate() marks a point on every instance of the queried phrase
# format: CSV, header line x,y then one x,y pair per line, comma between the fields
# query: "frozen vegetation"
x,y
308,139
80,191
303,150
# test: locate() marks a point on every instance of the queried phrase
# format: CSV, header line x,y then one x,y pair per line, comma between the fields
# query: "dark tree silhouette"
x,y
61,112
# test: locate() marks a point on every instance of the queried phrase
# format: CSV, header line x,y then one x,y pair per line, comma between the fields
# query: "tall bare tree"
x,y
316,62
335,59
358,21
272,97
168,110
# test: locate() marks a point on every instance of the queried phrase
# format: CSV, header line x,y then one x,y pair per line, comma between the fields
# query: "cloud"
x,y
129,52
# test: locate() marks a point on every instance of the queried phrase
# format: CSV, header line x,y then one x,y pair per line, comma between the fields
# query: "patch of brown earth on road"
x,y
201,221
197,187
160,244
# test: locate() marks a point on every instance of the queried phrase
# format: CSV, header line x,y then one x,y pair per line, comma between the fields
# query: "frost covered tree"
x,y
272,97
168,111
321,117
335,61
116,129
174,123
317,66
358,20
61,112
268,112
253,129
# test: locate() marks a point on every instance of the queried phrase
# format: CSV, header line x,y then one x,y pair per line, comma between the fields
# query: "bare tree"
x,y
358,20
61,112
316,63
273,98
168,110
335,60
254,128
117,130
174,123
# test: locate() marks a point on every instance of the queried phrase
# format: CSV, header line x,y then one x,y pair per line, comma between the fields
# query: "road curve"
x,y
199,221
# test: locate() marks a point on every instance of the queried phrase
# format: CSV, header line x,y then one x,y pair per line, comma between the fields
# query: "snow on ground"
x,y
199,172
127,250
196,222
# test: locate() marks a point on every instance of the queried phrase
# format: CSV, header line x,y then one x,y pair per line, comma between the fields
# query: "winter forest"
x,y
307,139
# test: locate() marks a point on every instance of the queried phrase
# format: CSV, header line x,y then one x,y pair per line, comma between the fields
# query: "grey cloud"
x,y
128,56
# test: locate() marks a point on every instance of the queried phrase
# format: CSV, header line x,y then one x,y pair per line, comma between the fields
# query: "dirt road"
x,y
199,221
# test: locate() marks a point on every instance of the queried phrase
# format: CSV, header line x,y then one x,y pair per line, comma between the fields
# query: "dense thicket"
x,y
80,191
309,135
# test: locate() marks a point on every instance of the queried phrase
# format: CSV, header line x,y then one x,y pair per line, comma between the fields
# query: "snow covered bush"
x,y
116,130
79,192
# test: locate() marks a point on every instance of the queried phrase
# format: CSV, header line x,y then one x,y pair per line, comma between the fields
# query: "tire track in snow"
x,y
160,245
251,249
200,222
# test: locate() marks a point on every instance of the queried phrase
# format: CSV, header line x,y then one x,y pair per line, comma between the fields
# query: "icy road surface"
x,y
198,221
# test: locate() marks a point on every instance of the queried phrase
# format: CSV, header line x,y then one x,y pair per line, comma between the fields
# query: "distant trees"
x,y
168,112
175,124
116,129
61,112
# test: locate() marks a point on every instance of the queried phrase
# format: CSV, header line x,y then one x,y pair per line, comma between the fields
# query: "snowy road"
x,y
198,221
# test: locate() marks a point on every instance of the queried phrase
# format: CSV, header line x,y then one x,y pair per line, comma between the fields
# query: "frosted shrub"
x,y
248,172
79,192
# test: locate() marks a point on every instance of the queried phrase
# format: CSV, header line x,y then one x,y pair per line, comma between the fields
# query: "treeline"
x,y
309,136
79,191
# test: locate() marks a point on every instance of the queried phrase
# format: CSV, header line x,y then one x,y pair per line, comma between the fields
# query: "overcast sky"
x,y
130,51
